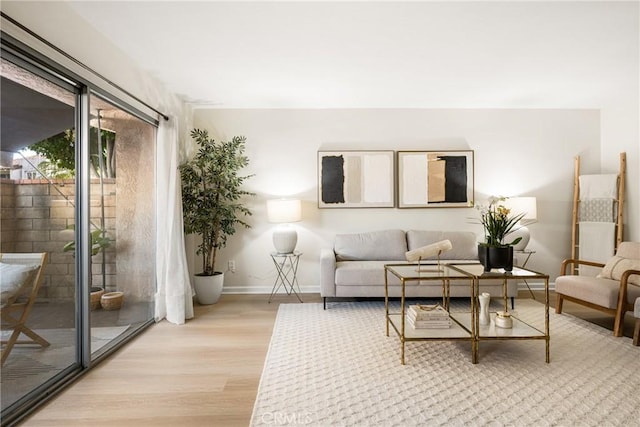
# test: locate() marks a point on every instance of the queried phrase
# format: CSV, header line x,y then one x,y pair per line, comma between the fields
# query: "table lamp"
x,y
526,206
284,212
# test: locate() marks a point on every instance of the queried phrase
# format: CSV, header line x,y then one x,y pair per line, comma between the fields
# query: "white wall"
x,y
517,152
621,133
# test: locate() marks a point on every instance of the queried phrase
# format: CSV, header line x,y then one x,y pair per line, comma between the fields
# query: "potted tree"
x,y
212,204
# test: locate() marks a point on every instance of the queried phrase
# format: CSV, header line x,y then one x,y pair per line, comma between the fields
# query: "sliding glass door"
x,y
77,184
122,222
38,208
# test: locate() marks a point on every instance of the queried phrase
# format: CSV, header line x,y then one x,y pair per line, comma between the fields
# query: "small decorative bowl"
x,y
112,300
504,320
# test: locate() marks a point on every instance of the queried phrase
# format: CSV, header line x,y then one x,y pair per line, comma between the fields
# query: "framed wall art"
x,y
356,179
435,179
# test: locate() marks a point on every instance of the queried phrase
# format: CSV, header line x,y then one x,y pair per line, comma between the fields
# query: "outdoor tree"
x,y
60,149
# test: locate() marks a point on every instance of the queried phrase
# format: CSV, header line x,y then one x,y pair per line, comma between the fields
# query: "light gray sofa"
x,y
355,265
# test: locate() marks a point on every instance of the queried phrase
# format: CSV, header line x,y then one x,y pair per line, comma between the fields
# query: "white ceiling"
x,y
379,54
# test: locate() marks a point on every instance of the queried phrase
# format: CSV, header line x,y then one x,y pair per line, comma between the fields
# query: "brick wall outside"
x,y
35,216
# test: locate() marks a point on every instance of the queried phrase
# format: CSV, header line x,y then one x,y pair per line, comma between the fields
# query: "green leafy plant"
x,y
60,149
99,241
497,223
53,171
212,194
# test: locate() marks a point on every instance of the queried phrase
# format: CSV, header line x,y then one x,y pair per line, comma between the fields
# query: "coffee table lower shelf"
x,y
456,332
520,331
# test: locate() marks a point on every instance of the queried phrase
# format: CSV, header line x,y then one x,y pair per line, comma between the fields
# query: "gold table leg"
x,y
402,323
546,319
386,298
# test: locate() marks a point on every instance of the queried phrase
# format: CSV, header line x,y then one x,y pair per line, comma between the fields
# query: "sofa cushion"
x,y
464,243
357,273
385,245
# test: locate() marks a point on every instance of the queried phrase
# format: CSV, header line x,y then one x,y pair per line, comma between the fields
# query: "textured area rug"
x,y
337,367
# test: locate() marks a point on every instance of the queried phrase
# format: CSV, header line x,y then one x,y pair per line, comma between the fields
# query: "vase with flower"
x,y
497,222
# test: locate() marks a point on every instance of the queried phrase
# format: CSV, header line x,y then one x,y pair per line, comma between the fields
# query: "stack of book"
x,y
428,317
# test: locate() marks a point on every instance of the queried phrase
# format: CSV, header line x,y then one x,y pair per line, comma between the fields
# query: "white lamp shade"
x,y
523,205
284,210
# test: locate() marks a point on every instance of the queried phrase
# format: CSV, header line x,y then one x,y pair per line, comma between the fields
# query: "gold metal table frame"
x,y
460,330
521,330
465,325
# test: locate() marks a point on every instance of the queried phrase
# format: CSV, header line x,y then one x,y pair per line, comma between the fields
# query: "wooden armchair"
x,y
21,279
613,291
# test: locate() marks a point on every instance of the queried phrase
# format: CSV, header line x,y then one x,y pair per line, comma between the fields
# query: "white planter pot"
x,y
208,288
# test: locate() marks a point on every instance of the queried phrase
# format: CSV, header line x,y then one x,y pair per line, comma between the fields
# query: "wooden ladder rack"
x,y
619,204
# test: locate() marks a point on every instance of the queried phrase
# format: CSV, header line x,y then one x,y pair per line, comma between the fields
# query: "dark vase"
x,y
495,257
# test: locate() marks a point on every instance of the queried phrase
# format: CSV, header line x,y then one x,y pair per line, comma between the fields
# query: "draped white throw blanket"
x,y
598,186
173,299
596,225
596,244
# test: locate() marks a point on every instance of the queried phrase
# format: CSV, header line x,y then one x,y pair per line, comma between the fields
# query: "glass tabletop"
x,y
425,271
477,270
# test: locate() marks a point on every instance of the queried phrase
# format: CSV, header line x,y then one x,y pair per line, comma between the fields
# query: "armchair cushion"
x,y
602,292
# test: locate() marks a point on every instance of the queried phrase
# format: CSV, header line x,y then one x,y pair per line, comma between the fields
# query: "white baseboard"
x,y
536,286
266,290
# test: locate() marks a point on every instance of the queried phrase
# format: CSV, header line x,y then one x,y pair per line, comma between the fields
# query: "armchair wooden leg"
x,y
559,304
618,325
636,333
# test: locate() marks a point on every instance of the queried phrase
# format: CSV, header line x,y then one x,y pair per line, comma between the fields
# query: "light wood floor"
x,y
204,373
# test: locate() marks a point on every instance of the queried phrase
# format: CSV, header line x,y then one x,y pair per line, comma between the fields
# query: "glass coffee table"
x,y
465,325
413,275
520,329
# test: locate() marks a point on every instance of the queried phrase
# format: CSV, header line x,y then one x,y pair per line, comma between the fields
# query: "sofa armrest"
x,y
327,273
567,262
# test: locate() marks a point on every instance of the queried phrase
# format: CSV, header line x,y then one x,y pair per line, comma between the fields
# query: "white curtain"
x,y
173,297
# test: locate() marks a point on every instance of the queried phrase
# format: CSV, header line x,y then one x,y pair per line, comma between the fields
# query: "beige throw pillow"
x,y
616,266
